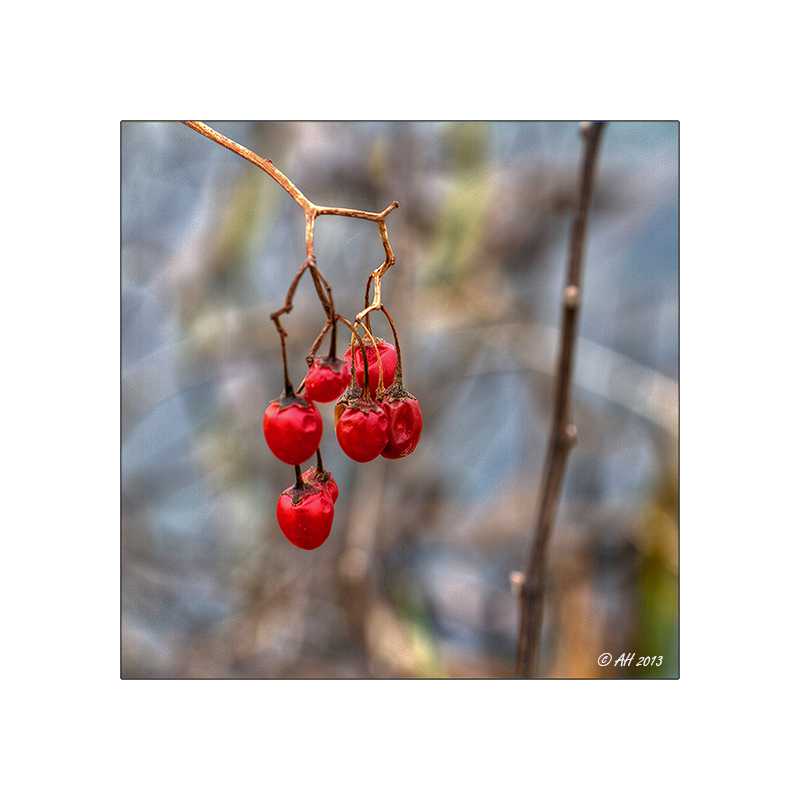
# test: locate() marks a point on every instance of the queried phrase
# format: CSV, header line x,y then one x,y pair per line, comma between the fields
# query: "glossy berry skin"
x,y
388,357
363,431
405,425
305,516
293,429
326,482
326,379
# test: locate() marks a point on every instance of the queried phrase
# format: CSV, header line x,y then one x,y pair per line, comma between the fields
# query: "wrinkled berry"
x,y
305,515
326,379
324,480
362,430
388,359
405,425
293,429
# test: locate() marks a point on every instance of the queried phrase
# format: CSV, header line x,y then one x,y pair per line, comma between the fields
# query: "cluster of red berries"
x,y
370,421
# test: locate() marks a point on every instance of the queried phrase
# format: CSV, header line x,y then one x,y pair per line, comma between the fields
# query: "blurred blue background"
x,y
414,579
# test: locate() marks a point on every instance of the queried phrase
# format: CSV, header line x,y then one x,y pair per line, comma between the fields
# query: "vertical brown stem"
x,y
563,432
288,389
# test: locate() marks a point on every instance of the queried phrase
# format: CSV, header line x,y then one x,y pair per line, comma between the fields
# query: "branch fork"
x,y
312,211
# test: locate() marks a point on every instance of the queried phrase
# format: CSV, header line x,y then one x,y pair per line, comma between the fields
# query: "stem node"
x,y
563,434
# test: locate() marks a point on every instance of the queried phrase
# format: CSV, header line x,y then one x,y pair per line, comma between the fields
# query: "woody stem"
x,y
563,432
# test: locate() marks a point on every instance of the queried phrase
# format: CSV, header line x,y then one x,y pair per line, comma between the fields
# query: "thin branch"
x,y
312,210
376,277
349,212
563,433
264,163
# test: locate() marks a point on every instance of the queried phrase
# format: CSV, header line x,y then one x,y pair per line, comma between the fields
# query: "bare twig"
x,y
266,164
563,433
377,275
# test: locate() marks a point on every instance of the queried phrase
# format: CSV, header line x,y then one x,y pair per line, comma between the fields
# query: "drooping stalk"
x,y
398,372
311,212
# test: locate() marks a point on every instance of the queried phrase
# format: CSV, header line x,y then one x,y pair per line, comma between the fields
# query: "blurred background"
x,y
414,579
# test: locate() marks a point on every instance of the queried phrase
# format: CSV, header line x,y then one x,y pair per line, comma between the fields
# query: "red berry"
x,y
305,515
362,431
327,378
293,429
405,425
324,480
388,358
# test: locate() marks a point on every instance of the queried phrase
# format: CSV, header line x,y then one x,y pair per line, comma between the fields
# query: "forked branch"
x,y
266,164
311,211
